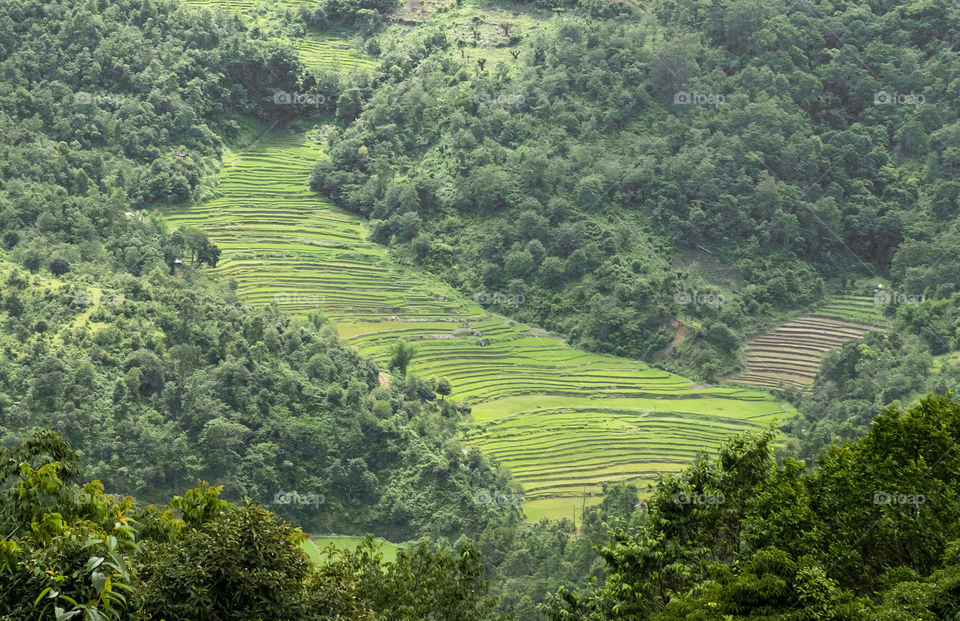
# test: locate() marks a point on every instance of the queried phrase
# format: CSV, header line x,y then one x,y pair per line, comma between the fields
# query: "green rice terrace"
x,y
319,50
324,51
789,355
241,5
562,420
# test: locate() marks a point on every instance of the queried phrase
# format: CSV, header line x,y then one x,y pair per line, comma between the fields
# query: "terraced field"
x,y
563,420
240,6
318,50
323,51
790,354
855,308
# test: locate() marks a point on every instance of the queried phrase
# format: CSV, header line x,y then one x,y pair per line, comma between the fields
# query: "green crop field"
x,y
854,308
563,420
318,50
325,51
315,546
243,5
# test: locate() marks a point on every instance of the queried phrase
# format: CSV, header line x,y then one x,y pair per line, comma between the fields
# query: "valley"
x,y
563,420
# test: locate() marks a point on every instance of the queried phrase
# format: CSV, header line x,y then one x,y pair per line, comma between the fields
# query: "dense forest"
x,y
157,375
870,532
165,445
585,183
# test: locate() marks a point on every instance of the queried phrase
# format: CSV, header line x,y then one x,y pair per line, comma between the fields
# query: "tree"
x,y
443,387
208,253
200,557
59,266
775,585
400,356
242,564
433,582
742,536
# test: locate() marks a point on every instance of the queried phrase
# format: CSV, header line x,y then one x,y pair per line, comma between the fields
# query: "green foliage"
x,y
364,15
400,356
116,337
617,182
82,554
120,103
865,376
244,563
772,584
875,518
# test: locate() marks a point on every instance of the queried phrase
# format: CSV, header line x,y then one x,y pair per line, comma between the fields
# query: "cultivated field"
x,y
318,50
240,6
324,51
789,355
315,547
563,420
854,308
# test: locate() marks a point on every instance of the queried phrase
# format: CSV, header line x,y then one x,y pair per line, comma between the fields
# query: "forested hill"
x,y
154,373
870,532
658,181
605,166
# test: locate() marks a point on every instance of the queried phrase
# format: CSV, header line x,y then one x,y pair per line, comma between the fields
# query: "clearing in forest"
x,y
789,355
563,420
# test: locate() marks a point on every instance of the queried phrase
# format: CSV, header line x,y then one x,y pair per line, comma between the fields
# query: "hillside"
x,y
488,310
532,398
790,354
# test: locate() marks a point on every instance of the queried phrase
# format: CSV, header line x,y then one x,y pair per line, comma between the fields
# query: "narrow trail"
x,y
561,419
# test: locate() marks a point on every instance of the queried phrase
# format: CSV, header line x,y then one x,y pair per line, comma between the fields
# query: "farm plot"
x,y
789,355
563,420
567,450
318,50
324,51
854,308
239,6
315,547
